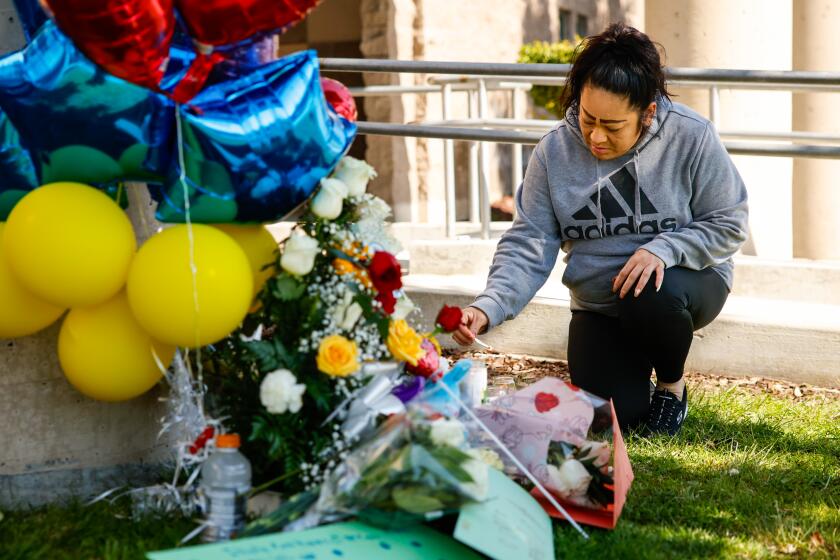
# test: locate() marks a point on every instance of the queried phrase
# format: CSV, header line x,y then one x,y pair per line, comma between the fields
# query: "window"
x,y
565,24
582,27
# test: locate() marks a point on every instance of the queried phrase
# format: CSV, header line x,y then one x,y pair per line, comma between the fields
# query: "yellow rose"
x,y
404,343
338,356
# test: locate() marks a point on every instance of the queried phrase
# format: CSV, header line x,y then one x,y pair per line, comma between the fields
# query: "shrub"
x,y
552,53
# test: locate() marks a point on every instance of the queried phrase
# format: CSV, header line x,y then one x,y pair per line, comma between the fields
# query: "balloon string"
x,y
193,269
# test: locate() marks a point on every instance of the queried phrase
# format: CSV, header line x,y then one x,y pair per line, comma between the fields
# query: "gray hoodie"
x,y
676,193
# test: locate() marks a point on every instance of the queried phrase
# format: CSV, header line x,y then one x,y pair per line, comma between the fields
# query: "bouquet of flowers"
x,y
331,321
569,440
415,467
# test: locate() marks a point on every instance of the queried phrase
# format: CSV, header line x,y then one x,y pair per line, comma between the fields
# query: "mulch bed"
x,y
527,369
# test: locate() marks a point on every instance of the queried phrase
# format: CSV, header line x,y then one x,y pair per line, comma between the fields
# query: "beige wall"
x,y
816,195
748,34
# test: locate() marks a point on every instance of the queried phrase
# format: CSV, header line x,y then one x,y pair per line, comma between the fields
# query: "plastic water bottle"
x,y
225,481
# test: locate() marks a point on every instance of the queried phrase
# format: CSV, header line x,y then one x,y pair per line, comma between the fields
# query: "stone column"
x,y
745,34
388,32
57,442
816,196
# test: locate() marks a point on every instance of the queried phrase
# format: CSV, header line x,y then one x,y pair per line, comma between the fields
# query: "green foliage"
x,y
101,531
548,53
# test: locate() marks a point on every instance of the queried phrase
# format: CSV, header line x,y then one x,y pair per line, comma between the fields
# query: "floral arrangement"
x,y
415,467
581,474
333,310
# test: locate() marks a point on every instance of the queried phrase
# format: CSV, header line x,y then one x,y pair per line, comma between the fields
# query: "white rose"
x,y
355,173
347,312
351,316
489,458
571,479
280,392
403,308
330,199
448,432
477,469
299,254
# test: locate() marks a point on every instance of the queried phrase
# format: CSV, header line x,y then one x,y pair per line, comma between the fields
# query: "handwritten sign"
x,y
340,541
508,525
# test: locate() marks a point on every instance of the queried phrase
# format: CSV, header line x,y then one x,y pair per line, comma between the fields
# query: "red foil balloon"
x,y
340,98
128,38
221,22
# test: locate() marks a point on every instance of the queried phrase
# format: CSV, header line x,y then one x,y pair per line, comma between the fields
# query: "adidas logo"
x,y
618,195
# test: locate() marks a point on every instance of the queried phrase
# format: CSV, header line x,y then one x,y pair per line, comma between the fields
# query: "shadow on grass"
x,y
634,541
738,477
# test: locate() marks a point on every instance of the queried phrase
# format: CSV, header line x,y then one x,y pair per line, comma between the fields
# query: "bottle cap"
x,y
228,441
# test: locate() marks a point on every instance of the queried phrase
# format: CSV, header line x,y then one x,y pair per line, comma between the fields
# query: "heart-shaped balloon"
x,y
128,38
222,22
340,98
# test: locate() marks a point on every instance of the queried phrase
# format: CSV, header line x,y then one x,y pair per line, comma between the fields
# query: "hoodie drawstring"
x,y
637,202
599,213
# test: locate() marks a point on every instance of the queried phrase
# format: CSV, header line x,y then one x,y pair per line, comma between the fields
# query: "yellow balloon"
x,y
160,286
69,244
259,246
21,313
106,355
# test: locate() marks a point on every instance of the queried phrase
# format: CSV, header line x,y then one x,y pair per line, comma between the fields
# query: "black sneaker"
x,y
667,413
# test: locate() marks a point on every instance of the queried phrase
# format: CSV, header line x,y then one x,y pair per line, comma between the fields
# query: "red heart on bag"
x,y
544,402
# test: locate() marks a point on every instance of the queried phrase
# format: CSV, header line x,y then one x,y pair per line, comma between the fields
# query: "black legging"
x,y
612,357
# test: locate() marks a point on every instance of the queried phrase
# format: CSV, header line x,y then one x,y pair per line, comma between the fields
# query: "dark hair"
x,y
621,60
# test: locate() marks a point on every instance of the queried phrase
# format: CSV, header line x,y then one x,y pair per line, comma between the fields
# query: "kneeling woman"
x,y
642,197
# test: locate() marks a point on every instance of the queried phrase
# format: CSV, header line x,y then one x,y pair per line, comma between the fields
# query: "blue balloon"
x,y
17,174
31,15
255,146
80,123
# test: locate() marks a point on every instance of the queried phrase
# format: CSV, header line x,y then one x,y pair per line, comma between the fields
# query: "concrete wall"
x,y
57,442
747,34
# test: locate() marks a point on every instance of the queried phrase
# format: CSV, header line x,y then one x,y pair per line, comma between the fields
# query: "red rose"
x,y
385,273
449,318
428,364
387,300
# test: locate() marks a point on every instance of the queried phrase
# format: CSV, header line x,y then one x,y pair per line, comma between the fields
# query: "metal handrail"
x,y
477,78
500,69
779,149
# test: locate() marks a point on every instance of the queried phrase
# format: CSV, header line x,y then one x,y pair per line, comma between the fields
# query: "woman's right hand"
x,y
473,320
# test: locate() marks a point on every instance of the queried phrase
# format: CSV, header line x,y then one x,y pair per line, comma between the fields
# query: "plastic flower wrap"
x,y
415,467
314,366
570,441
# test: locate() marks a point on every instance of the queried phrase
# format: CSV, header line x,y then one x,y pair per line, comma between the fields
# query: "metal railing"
x,y
477,79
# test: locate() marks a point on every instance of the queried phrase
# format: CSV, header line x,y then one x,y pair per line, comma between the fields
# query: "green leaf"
x,y
287,287
265,353
415,500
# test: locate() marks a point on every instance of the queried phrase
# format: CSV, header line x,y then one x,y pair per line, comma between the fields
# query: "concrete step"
x,y
786,339
792,279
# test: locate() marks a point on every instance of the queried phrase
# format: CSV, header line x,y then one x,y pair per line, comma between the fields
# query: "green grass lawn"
x,y
750,476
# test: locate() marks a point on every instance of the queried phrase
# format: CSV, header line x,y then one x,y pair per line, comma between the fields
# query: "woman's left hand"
x,y
637,271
